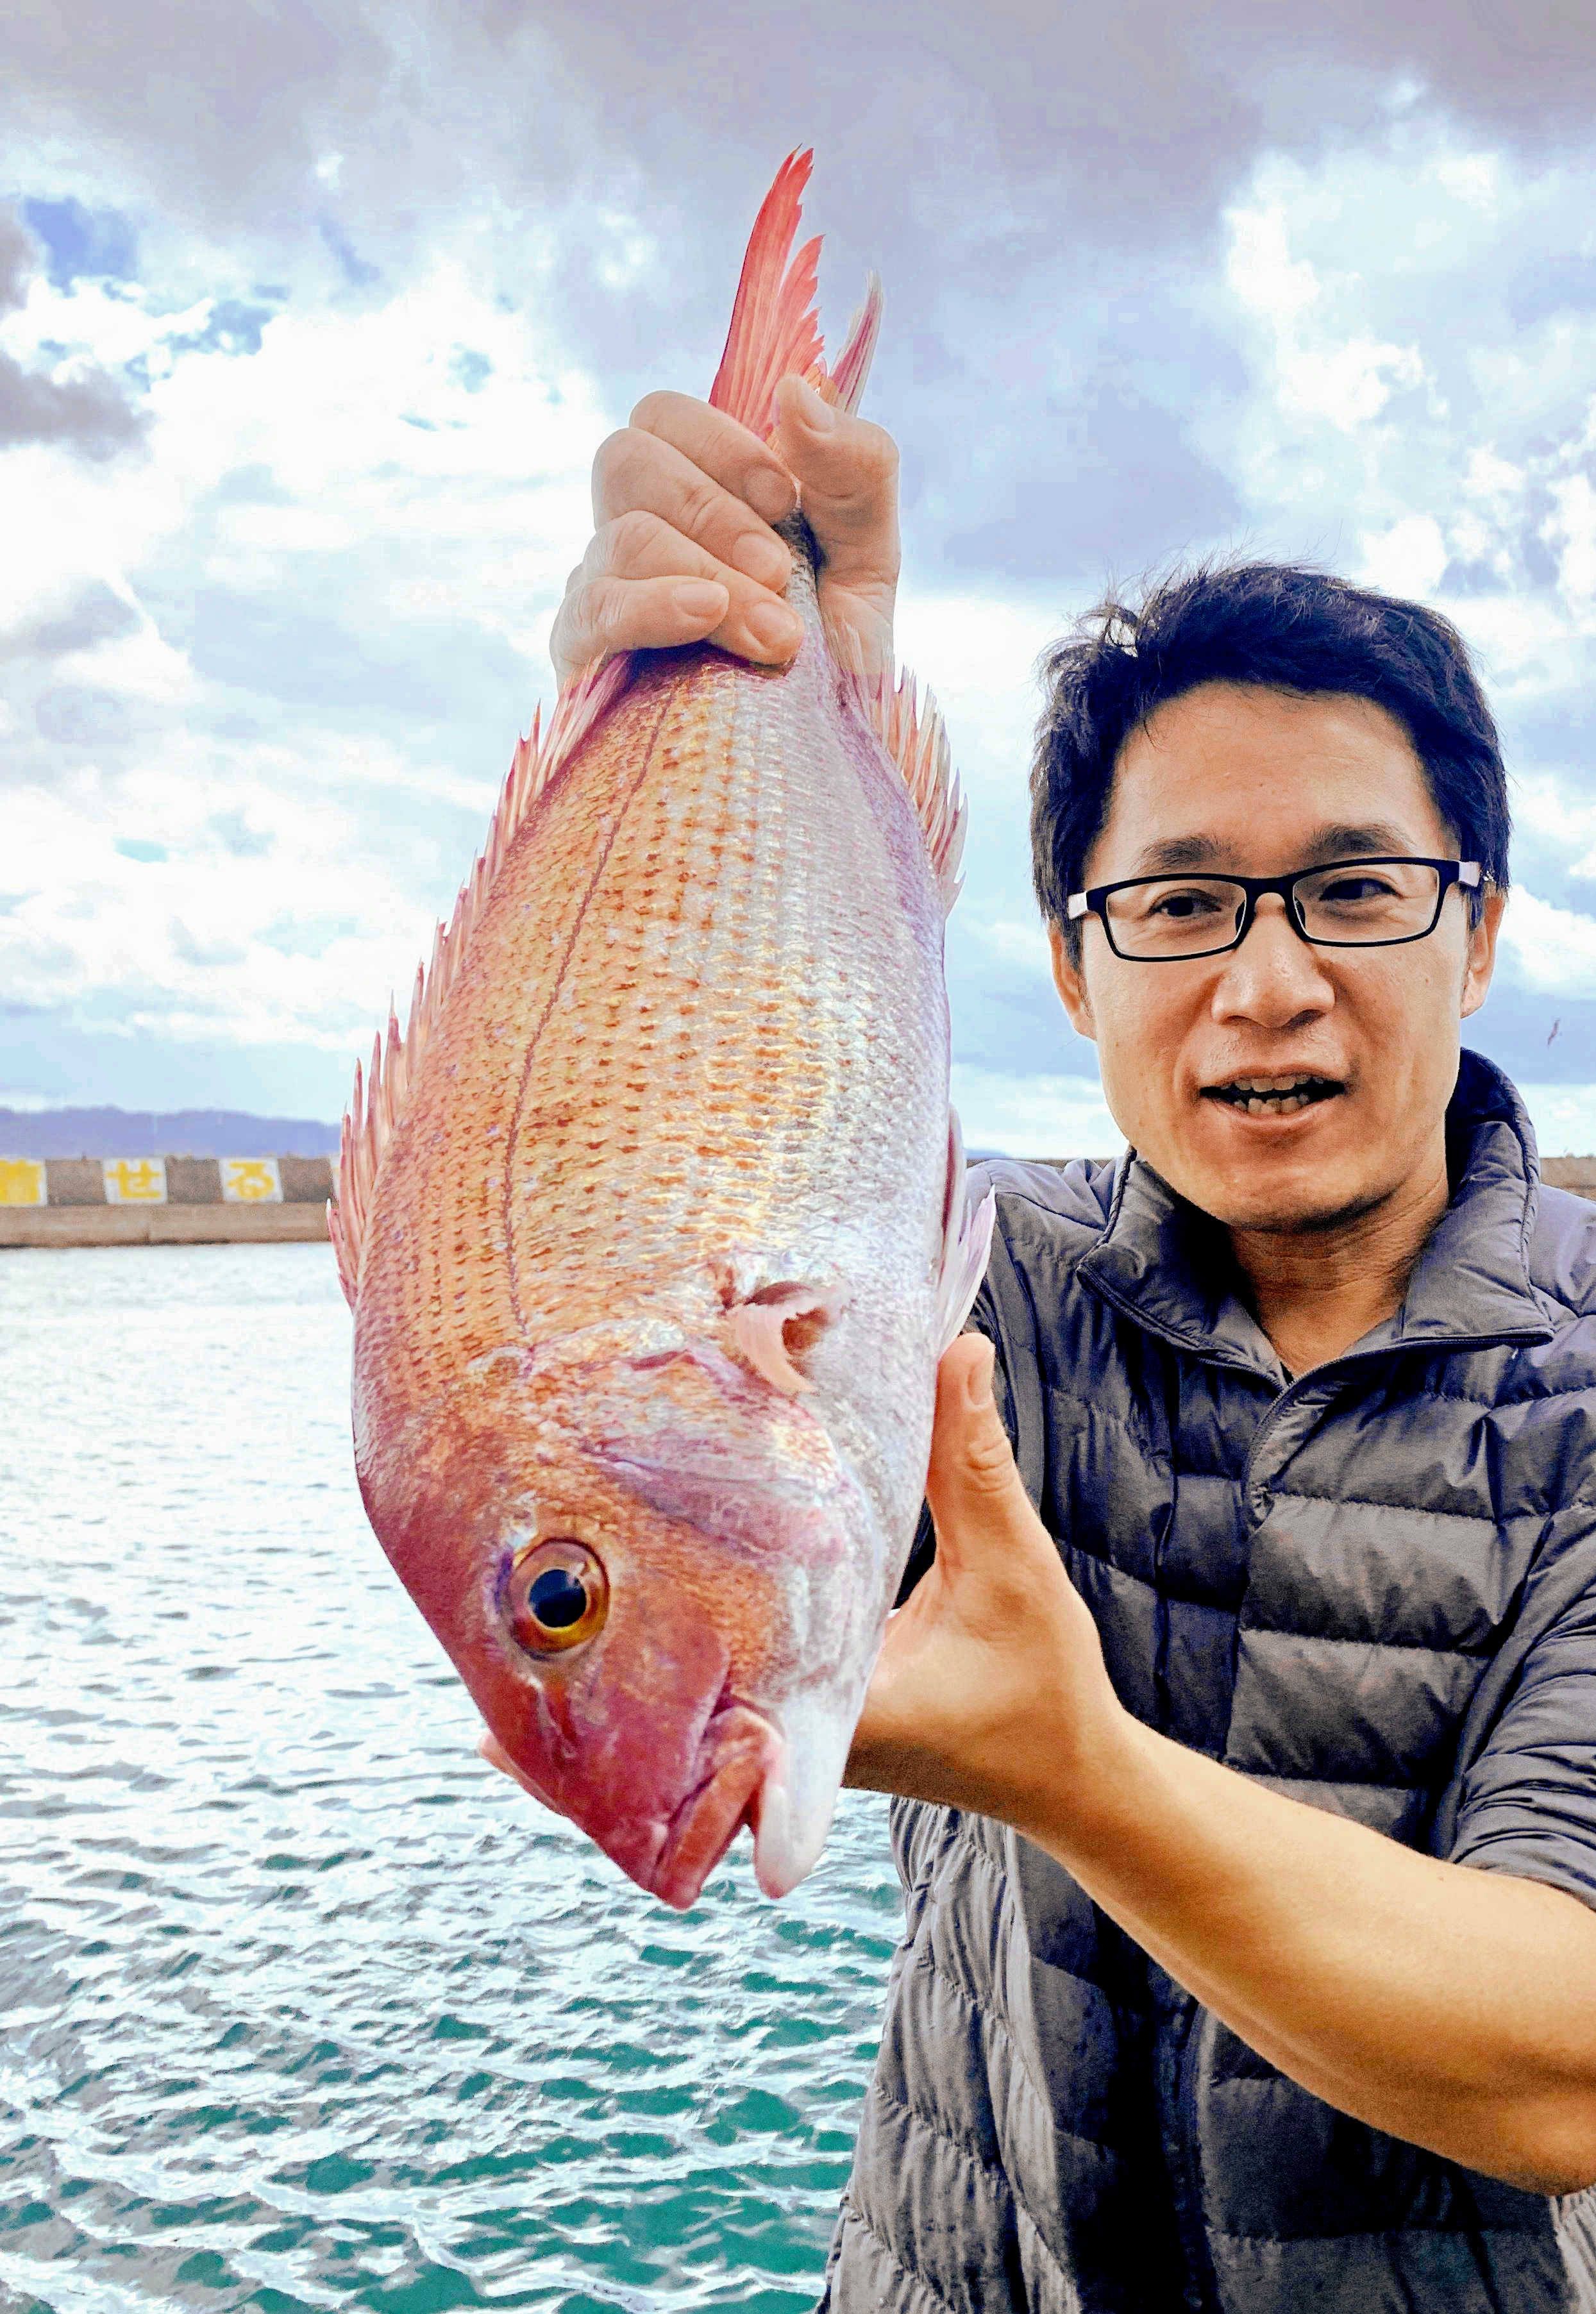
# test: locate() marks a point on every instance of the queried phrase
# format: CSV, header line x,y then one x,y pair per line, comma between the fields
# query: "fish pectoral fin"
x,y
966,1241
779,1323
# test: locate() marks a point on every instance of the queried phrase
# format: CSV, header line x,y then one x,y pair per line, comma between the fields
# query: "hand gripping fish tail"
x,y
653,1219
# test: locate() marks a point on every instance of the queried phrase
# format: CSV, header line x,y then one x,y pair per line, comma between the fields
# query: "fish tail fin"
x,y
773,332
858,349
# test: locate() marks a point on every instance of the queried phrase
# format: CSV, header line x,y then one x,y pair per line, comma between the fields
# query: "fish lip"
x,y
739,1748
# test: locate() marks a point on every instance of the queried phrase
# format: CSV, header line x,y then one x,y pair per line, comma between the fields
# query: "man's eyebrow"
x,y
1370,839
1178,852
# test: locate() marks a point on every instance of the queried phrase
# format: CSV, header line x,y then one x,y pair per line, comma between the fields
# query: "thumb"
x,y
975,1490
846,469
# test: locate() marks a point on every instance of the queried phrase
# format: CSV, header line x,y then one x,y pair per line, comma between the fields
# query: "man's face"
x,y
1261,782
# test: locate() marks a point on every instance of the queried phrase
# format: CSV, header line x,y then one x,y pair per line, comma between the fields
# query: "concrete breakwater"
x,y
164,1200
248,1200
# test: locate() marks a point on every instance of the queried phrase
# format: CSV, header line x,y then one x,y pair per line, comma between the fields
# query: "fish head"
x,y
663,1589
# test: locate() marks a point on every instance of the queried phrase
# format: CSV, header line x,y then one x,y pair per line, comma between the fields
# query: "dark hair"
x,y
1258,623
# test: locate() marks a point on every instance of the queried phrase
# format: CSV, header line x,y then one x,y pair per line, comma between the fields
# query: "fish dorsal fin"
x,y
773,332
909,724
379,1098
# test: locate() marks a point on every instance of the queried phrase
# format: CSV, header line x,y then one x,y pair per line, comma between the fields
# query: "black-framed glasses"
x,y
1347,904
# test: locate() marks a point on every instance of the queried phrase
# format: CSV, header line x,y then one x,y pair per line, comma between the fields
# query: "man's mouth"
x,y
1274,1096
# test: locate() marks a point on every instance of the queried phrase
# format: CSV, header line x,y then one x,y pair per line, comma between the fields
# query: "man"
x,y
1246,1726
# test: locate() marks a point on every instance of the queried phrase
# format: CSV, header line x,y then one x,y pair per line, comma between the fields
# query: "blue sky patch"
x,y
356,272
82,243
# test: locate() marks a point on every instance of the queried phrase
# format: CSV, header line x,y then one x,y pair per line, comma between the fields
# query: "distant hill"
x,y
173,1132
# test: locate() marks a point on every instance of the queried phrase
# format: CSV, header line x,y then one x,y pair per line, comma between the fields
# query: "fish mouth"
x,y
741,1747
781,1780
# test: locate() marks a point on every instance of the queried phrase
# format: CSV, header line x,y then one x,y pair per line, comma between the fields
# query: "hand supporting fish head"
x,y
663,1589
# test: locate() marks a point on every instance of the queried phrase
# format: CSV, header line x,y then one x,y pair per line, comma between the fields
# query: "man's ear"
x,y
1482,952
1071,984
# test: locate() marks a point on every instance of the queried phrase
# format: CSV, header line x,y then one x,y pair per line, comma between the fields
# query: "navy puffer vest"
x,y
1373,1587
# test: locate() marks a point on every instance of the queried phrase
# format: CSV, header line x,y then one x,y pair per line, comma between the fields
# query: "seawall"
x,y
247,1200
60,1201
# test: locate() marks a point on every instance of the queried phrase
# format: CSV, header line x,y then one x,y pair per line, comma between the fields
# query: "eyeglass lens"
x,y
1357,905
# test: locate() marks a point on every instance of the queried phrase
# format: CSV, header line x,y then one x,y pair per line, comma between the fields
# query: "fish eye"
x,y
555,1596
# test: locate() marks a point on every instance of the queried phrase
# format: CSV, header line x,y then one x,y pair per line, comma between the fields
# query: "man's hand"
x,y
990,1691
684,500
1451,2007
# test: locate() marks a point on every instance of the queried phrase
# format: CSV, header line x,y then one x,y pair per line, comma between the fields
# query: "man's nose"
x,y
1275,976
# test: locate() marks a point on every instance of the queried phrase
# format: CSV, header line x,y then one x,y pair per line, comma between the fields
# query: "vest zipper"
x,y
1335,1371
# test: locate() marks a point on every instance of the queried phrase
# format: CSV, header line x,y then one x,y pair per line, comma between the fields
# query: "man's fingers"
x,y
847,472
975,1492
704,473
602,616
721,448
642,545
847,468
644,585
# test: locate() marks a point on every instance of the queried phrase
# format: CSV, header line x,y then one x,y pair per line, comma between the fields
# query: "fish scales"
x,y
695,1033
646,1240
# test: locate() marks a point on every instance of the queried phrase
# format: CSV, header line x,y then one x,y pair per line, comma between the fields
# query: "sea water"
x,y
301,2006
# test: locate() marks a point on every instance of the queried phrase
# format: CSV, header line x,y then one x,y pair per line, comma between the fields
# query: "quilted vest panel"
x,y
1319,1582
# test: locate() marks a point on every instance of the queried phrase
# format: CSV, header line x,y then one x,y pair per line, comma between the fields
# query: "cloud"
x,y
84,409
1035,1116
1308,283
1548,949
96,615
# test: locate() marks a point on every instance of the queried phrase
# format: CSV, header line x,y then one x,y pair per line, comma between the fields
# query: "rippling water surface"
x,y
301,2006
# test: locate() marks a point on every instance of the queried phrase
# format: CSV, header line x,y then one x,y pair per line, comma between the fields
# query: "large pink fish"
x,y
654,1221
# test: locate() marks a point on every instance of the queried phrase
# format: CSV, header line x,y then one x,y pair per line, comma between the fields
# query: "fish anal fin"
x,y
776,1325
380,1098
907,721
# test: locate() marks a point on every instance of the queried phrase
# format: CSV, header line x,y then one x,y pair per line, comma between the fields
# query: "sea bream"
x,y
654,1220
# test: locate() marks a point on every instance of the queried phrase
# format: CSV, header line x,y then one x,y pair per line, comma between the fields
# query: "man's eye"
x,y
1186,902
1349,891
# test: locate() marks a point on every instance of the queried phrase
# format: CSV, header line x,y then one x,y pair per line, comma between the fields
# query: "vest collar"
x,y
1167,1267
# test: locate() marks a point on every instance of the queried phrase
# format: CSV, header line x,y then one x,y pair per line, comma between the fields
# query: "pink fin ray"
x,y
853,363
966,1241
773,332
908,723
379,1098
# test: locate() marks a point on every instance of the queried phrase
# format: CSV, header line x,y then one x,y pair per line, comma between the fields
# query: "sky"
x,y
311,322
